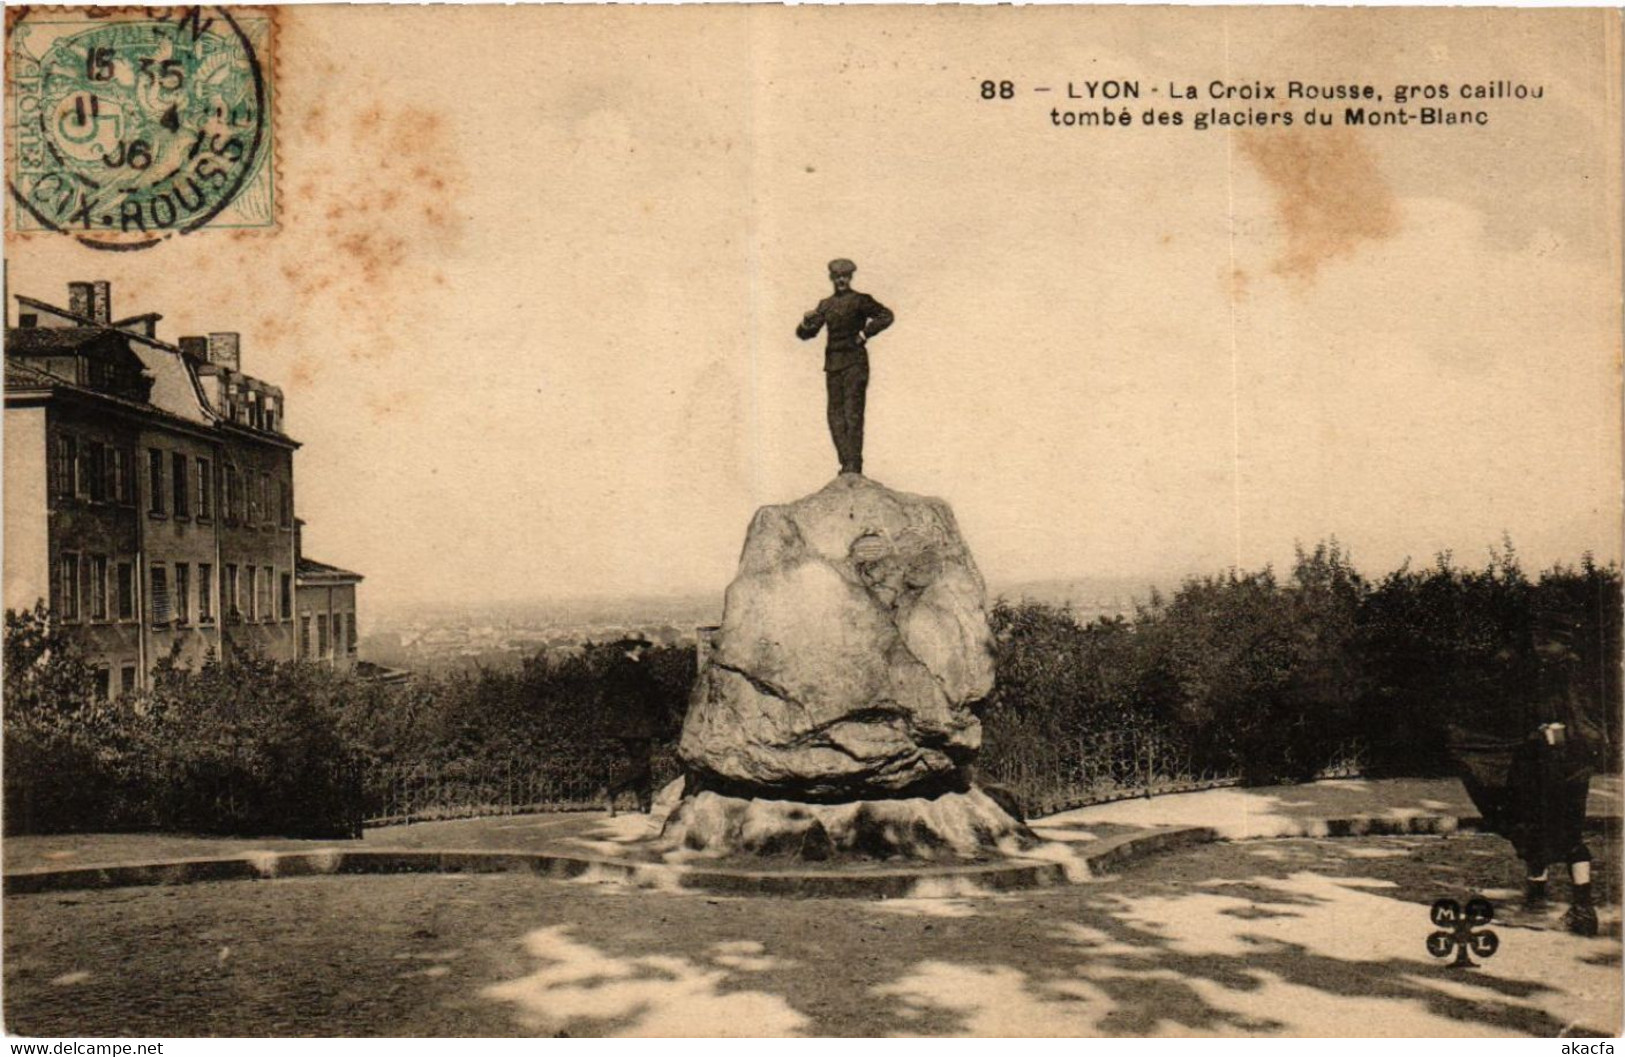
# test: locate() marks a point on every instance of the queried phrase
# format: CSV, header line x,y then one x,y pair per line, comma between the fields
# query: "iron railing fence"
x,y
562,780
1046,776
1049,775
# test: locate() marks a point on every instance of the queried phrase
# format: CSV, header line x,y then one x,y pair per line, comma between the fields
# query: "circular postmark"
x,y
131,125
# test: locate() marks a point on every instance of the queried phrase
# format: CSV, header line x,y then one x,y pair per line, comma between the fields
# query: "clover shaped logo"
x,y
1463,932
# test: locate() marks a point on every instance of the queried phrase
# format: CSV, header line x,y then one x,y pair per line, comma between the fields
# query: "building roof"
x,y
166,364
28,341
311,571
22,376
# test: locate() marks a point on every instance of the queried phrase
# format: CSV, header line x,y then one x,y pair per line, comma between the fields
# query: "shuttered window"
x,y
162,605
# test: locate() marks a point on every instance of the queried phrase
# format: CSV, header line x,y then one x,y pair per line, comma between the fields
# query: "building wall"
x,y
181,547
96,530
27,533
318,605
257,533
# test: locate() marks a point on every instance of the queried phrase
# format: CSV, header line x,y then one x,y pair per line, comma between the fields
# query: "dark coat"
x,y
846,315
1528,791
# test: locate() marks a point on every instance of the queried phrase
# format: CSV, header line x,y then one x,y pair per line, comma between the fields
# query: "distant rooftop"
x,y
311,571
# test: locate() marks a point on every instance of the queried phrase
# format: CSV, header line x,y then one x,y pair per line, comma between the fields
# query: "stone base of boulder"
x,y
953,827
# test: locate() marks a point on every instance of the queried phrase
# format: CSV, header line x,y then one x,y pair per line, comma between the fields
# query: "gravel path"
x,y
1291,937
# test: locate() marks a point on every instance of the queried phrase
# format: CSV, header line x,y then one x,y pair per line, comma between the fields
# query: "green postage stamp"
x,y
131,125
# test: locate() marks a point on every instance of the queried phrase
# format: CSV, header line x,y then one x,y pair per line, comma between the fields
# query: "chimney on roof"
x,y
225,350
195,348
80,298
92,300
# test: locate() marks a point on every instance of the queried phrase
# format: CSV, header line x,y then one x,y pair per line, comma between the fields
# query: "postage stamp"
x,y
131,125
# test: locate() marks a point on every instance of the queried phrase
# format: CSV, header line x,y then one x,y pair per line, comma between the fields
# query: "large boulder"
x,y
853,655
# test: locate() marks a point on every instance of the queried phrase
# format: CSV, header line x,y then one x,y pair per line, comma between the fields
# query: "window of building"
x,y
66,466
232,488
232,604
162,605
96,471
126,679
287,596
338,633
28,320
183,593
179,480
321,634
126,591
205,489
284,504
98,587
304,635
268,585
120,488
155,481
263,515
349,632
253,592
205,593
67,587
104,682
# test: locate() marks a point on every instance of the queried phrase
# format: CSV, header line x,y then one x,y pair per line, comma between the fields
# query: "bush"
x,y
257,748
70,756
1244,675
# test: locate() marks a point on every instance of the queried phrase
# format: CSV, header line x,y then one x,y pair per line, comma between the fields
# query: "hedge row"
x,y
1242,674
1272,679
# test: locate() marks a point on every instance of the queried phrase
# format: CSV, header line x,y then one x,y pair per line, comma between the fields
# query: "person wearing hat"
x,y
851,319
1529,774
635,715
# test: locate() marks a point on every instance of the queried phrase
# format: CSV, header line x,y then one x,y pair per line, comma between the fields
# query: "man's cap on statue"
x,y
841,266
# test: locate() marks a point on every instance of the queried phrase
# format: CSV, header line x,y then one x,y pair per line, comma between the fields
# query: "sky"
x,y
536,273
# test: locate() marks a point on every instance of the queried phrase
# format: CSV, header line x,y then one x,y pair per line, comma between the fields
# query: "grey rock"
x,y
853,655
947,828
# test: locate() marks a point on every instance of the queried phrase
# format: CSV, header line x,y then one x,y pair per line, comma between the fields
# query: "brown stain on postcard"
x,y
1330,194
386,227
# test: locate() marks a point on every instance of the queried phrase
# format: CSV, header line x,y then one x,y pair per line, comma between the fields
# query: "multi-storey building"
x,y
149,490
325,608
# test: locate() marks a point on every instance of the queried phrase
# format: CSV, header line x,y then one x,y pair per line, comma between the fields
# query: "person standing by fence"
x,y
634,715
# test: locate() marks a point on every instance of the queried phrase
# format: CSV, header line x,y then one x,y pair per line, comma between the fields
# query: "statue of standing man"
x,y
852,318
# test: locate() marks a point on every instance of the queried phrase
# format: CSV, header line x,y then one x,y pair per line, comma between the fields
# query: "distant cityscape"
x,y
429,637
